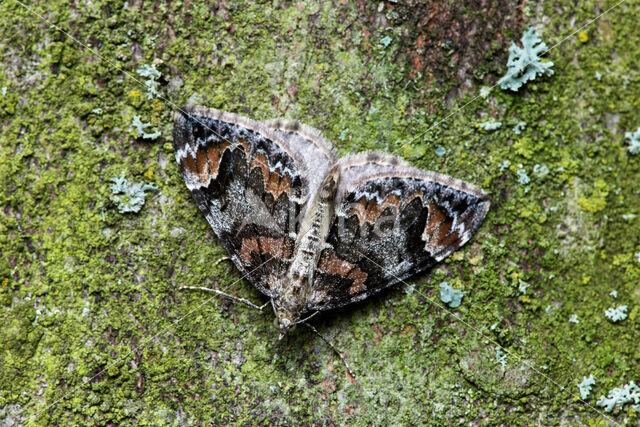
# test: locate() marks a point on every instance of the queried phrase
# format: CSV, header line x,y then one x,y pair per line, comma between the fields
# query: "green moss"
x,y
598,200
95,329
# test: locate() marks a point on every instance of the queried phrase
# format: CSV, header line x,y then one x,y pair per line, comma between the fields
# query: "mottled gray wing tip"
x,y
180,133
213,113
486,204
181,113
459,185
222,116
481,196
178,115
198,110
186,114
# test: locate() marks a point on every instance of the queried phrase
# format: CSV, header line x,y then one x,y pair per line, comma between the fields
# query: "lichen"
x,y
585,386
450,296
519,127
598,200
489,125
96,330
501,358
616,314
129,196
525,63
620,396
152,82
140,128
634,141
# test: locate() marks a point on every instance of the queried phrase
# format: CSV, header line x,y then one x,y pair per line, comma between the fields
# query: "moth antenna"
x,y
307,318
231,297
335,350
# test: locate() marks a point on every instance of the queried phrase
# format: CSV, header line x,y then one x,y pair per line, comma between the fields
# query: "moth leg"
x,y
335,350
222,294
224,258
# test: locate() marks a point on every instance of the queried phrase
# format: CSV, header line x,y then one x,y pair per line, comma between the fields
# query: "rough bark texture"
x,y
94,330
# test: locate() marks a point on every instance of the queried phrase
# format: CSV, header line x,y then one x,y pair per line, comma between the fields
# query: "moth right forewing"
x,y
391,221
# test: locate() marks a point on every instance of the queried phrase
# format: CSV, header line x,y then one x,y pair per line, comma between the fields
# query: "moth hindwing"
x,y
308,229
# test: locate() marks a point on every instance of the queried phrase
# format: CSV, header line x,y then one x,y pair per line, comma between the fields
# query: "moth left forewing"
x,y
251,184
392,221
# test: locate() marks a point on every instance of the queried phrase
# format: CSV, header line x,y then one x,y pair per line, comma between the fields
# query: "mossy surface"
x,y
94,330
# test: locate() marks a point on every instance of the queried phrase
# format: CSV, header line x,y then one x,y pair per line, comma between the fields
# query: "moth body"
x,y
290,302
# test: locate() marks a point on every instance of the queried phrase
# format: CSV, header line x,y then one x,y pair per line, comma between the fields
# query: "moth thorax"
x,y
329,186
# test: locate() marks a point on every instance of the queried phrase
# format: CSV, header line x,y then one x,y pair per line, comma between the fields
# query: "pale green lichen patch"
x,y
129,196
525,63
94,328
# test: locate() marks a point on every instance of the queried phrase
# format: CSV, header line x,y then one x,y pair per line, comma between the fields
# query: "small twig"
x,y
335,350
222,294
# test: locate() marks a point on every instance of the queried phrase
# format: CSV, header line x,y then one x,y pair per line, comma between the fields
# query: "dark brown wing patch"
x,y
332,265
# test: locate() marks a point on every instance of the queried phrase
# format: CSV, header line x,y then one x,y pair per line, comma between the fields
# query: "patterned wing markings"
x,y
250,181
379,221
392,221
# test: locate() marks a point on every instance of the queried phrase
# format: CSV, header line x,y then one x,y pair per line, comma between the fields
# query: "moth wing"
x,y
251,181
391,221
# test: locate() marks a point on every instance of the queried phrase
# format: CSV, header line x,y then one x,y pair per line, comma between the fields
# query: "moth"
x,y
309,230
